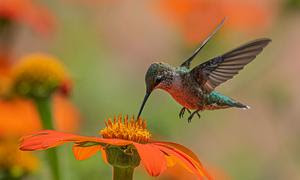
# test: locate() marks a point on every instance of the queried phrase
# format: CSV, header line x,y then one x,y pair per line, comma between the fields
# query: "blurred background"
x,y
107,46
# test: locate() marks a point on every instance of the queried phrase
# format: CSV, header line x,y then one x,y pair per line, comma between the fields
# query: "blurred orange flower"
x,y
155,156
29,13
197,18
19,115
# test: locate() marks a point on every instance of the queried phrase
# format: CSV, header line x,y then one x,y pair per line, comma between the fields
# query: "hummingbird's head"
x,y
156,76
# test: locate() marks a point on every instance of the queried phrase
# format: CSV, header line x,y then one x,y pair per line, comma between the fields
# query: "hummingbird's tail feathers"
x,y
221,101
240,105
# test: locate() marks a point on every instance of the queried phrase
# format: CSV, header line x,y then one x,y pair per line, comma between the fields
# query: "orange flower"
x,y
25,11
155,156
197,18
16,111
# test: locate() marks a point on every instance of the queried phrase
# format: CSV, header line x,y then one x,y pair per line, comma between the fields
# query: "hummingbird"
x,y
194,88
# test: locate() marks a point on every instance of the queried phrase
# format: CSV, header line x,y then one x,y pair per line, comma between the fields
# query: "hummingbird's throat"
x,y
127,129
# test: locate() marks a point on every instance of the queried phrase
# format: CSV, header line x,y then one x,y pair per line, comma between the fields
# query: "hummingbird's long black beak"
x,y
144,102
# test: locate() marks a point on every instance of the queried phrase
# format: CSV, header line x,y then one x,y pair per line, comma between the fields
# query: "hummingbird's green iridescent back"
x,y
185,89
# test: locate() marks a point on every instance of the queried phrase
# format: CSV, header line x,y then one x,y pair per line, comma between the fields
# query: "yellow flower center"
x,y
38,75
123,128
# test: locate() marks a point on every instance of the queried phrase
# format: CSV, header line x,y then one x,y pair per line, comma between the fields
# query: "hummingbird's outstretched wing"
x,y
188,61
214,72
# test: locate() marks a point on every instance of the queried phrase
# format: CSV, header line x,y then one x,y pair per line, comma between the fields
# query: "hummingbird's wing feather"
x,y
214,72
188,61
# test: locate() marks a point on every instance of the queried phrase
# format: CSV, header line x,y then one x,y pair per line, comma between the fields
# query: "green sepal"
x,y
122,156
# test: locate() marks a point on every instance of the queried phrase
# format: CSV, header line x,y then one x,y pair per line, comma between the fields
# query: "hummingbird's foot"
x,y
182,111
192,115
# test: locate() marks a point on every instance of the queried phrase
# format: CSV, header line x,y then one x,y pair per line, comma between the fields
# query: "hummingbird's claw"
x,y
199,116
182,111
192,115
188,111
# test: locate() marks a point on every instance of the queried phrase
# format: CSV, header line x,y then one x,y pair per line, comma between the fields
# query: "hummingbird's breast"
x,y
185,91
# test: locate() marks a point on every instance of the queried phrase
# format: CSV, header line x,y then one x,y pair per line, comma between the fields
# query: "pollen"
x,y
38,75
127,129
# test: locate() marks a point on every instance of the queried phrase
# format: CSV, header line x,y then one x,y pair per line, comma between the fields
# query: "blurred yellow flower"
x,y
15,162
16,111
38,75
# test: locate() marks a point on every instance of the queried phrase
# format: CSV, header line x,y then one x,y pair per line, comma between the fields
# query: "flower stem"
x,y
44,108
120,173
123,160
45,111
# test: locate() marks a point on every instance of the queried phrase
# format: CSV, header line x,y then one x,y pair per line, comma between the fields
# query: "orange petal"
x,y
16,112
45,139
82,152
181,148
188,161
104,156
65,114
48,138
176,160
170,161
152,158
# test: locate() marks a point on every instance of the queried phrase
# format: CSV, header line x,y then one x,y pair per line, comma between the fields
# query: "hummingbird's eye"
x,y
158,79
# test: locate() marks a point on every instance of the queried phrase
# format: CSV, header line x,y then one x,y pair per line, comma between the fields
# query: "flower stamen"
x,y
127,129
